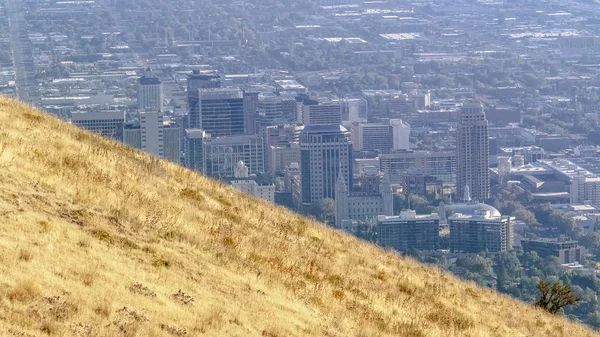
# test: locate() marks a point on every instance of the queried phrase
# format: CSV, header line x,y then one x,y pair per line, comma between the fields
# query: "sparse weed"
x,y
161,262
25,255
44,226
103,236
24,291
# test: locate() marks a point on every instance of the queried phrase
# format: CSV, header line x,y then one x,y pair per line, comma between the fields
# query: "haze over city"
x,y
462,136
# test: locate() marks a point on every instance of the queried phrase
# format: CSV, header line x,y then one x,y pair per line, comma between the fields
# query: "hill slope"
x,y
97,239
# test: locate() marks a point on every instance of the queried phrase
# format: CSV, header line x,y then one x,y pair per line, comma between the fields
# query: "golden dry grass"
x,y
97,239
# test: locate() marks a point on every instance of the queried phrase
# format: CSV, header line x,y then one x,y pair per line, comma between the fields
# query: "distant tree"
x,y
325,209
556,296
508,270
562,221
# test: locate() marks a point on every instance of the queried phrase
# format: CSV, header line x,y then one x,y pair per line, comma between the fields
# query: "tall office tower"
x,y
325,152
352,109
222,154
269,112
375,137
441,165
312,112
172,142
289,106
472,151
283,134
250,110
132,135
282,146
195,82
400,134
221,111
151,125
194,141
150,92
107,123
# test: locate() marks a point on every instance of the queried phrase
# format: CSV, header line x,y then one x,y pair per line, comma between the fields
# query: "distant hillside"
x,y
97,239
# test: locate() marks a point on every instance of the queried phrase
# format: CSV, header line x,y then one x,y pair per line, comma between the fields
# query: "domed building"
x,y
478,227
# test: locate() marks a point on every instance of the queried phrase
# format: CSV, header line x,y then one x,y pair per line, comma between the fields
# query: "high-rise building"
x,y
172,142
472,151
221,111
325,152
282,146
151,126
312,112
289,106
150,92
250,110
222,155
132,135
108,123
154,136
194,141
375,137
279,157
441,165
424,185
269,111
196,81
283,134
409,231
400,134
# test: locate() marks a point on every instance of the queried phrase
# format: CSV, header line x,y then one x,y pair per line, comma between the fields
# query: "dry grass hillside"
x,y
97,239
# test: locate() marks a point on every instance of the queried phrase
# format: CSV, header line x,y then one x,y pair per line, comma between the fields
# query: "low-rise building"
x,y
244,184
567,251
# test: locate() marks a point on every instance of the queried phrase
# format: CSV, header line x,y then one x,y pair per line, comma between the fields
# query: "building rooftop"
x,y
229,140
196,133
149,80
221,93
587,168
324,128
474,209
408,215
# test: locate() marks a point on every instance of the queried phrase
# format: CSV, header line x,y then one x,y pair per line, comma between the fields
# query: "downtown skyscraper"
x,y
472,152
325,152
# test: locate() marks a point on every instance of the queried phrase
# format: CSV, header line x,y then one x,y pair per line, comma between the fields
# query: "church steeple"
x,y
341,181
341,199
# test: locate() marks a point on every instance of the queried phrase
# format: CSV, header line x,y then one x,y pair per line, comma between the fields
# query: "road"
x,y
27,90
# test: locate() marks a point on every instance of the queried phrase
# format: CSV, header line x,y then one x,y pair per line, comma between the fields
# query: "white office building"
x,y
151,126
401,134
